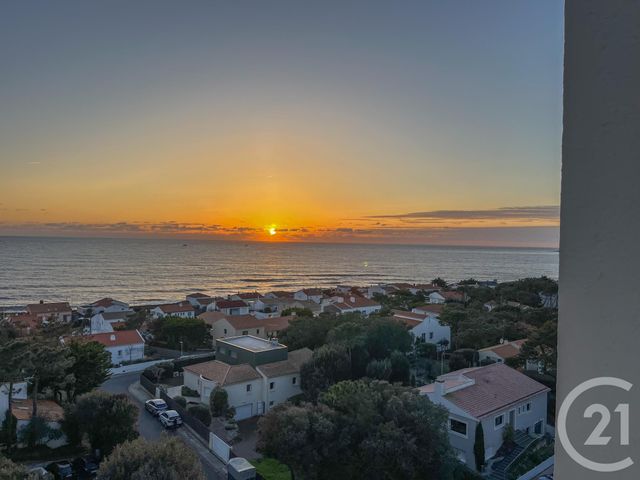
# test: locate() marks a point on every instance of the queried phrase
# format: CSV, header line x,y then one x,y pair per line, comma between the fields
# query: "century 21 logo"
x,y
596,437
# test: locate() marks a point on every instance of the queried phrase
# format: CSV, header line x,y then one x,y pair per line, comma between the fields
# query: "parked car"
x,y
155,406
61,470
170,419
39,473
85,467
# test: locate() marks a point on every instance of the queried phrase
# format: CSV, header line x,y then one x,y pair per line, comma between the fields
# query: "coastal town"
x,y
244,382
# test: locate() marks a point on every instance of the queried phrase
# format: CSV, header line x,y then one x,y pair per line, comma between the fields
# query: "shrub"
x,y
181,401
189,392
201,413
219,401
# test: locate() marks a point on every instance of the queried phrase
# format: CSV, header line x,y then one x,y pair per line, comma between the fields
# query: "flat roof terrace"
x,y
251,343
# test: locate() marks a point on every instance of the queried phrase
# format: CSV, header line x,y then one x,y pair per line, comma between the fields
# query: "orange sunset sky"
x,y
283,124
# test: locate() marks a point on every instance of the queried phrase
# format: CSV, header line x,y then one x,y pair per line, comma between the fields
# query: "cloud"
x,y
547,212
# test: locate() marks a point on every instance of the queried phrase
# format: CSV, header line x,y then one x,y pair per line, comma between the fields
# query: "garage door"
x,y
244,411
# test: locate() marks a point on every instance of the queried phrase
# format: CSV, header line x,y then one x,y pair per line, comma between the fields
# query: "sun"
x,y
272,230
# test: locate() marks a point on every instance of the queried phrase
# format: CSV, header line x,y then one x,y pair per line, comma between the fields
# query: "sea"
x,y
146,271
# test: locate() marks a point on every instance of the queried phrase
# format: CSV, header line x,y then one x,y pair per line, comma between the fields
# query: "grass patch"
x,y
271,469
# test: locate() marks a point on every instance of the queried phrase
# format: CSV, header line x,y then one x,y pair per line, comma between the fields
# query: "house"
x,y
247,297
24,322
279,294
50,411
502,352
435,309
424,288
436,298
453,296
275,326
548,300
229,307
494,395
199,300
425,327
379,289
181,309
123,345
235,325
106,304
257,374
310,294
352,304
273,307
106,321
45,312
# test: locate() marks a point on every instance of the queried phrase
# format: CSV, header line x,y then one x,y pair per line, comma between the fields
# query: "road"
x,y
151,429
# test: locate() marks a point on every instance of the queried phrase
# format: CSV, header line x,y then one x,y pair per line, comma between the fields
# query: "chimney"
x,y
274,341
353,299
41,302
439,390
112,337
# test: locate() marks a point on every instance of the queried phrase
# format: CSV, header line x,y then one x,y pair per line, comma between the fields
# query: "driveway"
x,y
150,428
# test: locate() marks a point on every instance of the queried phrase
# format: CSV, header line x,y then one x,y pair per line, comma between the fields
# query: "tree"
x,y
356,430
384,336
400,368
219,401
542,346
105,419
14,358
330,364
166,459
457,361
46,367
201,413
439,282
379,369
478,447
10,470
90,367
192,331
297,311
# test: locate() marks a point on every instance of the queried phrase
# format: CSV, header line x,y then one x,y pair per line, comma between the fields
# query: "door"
x,y
260,408
244,411
512,418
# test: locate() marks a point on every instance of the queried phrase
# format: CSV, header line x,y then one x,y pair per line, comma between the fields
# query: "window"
x,y
234,354
249,388
430,335
225,331
498,421
524,408
528,407
423,336
223,350
258,332
294,380
245,332
458,427
271,403
272,385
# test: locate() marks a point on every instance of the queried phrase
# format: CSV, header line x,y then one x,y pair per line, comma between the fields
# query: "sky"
x,y
339,121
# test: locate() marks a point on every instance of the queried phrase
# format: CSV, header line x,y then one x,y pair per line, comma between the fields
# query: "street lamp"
x,y
181,348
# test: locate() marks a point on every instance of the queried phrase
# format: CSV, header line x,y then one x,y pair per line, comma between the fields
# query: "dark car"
x,y
61,470
155,406
85,467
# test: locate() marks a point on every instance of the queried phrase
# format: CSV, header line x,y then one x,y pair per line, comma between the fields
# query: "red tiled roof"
x,y
22,409
507,349
48,308
432,308
230,304
210,317
453,295
112,339
223,373
496,386
311,291
176,307
277,324
25,320
244,321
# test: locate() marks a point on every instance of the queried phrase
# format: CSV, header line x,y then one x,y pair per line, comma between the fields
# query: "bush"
x,y
189,392
181,401
201,413
219,401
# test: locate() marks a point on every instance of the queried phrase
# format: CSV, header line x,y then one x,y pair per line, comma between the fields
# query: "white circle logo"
x,y
596,437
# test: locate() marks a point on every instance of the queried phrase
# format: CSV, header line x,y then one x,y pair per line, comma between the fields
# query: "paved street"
x,y
150,428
